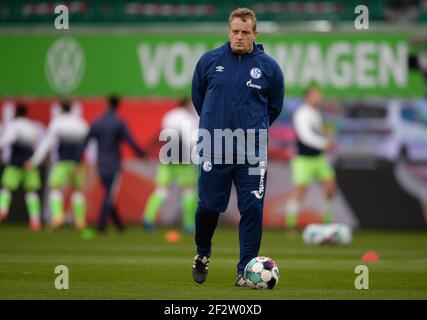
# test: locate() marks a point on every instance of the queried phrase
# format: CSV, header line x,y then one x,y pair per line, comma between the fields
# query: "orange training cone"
x,y
370,256
172,236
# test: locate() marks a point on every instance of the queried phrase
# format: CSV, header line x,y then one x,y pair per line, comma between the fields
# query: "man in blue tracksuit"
x,y
236,87
109,131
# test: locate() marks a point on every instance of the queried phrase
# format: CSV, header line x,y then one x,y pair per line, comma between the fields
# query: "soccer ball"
x,y
337,233
334,233
262,273
313,234
345,234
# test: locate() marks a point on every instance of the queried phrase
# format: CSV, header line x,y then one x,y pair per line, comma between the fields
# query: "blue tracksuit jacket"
x,y
109,131
237,91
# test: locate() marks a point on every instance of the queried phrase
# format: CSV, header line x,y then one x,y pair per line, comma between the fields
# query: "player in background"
x,y
67,132
185,122
310,163
109,131
22,135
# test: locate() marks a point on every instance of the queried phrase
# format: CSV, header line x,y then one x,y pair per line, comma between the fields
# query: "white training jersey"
x,y
22,135
68,131
180,118
309,127
186,124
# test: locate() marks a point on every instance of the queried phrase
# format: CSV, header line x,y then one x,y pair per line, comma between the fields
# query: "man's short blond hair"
x,y
243,14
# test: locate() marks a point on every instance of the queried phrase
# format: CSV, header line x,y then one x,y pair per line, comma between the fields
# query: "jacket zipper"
x,y
237,72
235,85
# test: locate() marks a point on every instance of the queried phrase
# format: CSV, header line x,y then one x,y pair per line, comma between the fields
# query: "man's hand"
x,y
330,144
29,165
142,154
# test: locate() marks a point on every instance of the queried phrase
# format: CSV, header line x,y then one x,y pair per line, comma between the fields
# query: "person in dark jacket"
x,y
110,131
240,88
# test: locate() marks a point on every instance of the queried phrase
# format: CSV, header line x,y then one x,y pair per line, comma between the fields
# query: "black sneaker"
x,y
200,269
240,281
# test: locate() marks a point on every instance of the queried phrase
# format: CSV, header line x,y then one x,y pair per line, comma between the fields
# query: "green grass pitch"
x,y
136,265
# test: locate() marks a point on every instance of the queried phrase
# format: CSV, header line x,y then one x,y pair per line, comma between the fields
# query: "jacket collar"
x,y
110,112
